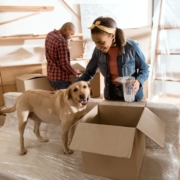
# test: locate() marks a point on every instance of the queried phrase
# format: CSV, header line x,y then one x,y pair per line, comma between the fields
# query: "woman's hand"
x,y
136,86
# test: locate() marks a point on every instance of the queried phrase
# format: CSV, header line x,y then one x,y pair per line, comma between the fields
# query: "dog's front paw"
x,y
22,152
68,152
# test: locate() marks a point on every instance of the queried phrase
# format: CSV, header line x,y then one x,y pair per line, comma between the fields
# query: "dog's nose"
x,y
82,96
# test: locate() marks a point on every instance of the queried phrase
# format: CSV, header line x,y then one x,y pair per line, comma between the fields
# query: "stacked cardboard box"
x,y
96,83
32,81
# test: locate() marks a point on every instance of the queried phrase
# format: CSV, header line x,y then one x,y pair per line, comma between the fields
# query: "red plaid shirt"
x,y
58,57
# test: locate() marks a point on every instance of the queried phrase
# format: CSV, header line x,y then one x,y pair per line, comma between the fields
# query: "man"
x,y
59,70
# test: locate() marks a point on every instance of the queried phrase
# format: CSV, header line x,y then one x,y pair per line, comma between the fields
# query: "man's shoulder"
x,y
50,33
54,35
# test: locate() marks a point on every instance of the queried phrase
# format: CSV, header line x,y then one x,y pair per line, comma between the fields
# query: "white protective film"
x,y
45,161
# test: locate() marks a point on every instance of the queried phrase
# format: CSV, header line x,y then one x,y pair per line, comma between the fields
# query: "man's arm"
x,y
63,52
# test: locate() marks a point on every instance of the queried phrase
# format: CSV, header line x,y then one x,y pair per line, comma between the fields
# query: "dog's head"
x,y
79,92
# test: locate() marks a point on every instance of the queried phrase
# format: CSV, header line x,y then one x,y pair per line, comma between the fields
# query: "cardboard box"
x,y
96,84
143,36
2,120
1,96
112,138
79,64
32,81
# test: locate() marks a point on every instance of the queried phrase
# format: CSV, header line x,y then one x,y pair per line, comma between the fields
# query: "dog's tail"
x,y
8,110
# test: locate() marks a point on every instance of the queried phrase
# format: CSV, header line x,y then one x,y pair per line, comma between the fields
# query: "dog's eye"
x,y
84,87
75,89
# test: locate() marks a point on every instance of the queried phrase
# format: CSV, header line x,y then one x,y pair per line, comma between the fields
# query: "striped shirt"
x,y
58,57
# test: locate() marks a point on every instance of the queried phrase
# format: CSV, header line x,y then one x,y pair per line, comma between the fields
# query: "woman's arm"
x,y
141,65
90,69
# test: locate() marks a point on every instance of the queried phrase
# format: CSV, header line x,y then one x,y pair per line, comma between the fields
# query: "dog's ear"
x,y
89,86
68,93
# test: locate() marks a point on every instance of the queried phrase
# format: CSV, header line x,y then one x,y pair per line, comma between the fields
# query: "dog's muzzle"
x,y
83,100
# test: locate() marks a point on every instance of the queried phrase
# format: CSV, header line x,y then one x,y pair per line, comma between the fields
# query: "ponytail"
x,y
120,38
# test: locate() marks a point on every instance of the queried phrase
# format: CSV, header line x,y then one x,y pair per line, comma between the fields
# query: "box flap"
x,y
152,126
29,76
79,64
123,103
78,67
107,140
91,116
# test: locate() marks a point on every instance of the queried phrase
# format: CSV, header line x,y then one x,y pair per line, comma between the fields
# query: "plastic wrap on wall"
x,y
164,80
47,160
88,49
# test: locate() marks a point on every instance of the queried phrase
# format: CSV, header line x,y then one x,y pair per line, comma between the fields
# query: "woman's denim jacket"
x,y
130,63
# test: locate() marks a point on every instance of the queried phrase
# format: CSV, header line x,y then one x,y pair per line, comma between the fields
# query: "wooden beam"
x,y
26,8
22,64
165,79
31,36
10,21
78,40
171,52
71,9
42,36
168,27
78,35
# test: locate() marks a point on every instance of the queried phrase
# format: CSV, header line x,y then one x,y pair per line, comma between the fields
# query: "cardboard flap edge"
x,y
152,126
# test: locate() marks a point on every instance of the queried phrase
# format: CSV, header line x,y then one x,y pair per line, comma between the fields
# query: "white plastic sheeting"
x,y
164,78
45,161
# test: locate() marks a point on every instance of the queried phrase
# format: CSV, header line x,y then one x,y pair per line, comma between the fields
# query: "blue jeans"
x,y
60,84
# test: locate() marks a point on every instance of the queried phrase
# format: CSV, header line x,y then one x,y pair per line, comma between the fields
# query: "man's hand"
x,y
136,86
78,72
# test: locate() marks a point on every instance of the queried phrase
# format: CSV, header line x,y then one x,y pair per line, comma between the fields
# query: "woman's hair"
x,y
110,23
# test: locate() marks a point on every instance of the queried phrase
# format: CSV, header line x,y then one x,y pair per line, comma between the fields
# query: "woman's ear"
x,y
113,37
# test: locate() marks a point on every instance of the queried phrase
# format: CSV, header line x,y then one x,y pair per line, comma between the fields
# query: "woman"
x,y
115,57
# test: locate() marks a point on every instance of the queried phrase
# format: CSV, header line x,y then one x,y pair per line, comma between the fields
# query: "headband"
x,y
103,28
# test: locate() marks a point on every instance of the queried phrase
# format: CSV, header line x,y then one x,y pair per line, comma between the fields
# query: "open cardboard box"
x,y
112,138
32,81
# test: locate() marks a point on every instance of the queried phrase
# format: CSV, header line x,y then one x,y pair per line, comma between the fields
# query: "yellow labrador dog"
x,y
63,107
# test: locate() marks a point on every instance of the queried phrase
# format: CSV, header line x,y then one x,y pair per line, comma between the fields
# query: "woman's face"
x,y
103,41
